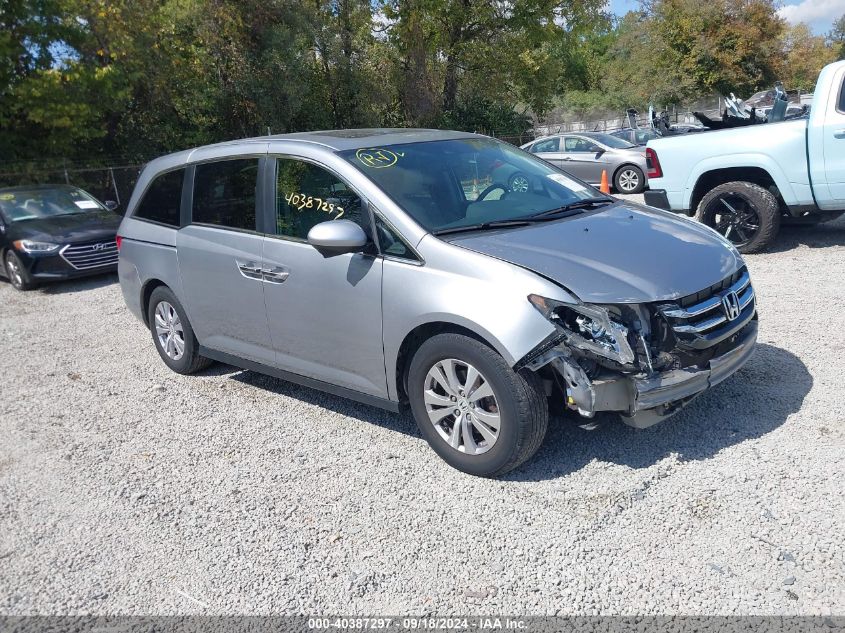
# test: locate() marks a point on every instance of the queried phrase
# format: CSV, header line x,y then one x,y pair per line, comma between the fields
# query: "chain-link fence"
x,y
102,182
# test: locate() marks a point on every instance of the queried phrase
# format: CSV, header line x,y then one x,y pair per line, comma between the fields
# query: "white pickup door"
x,y
827,138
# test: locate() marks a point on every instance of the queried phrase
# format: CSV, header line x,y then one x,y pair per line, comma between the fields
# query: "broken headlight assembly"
x,y
589,328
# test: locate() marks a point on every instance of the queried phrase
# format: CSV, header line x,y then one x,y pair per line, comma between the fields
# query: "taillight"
x,y
118,240
653,164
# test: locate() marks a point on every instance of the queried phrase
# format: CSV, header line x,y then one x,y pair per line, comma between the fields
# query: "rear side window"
x,y
841,106
224,193
162,200
548,145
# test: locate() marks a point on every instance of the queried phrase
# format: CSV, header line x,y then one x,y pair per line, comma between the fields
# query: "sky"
x,y
819,14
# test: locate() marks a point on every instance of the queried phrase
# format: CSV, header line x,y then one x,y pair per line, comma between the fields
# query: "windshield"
x,y
31,204
611,141
465,182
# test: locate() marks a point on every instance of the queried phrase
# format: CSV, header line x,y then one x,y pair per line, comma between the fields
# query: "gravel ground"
x,y
128,489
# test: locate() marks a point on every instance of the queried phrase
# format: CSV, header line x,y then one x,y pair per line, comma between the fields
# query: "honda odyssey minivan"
x,y
394,267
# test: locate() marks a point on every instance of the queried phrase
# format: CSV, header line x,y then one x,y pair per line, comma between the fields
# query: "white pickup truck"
x,y
744,181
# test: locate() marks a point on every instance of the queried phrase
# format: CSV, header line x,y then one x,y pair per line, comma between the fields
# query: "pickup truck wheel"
x,y
478,414
746,214
629,179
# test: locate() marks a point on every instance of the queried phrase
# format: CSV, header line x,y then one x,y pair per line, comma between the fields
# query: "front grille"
x,y
701,320
91,255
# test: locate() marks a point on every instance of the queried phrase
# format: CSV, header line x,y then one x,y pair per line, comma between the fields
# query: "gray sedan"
x,y
586,154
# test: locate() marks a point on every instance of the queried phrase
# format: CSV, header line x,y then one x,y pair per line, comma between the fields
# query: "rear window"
x,y
224,193
163,199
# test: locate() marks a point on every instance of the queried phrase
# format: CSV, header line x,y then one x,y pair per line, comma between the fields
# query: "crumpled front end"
x,y
647,361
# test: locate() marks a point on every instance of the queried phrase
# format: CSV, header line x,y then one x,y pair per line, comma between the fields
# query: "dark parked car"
x,y
51,232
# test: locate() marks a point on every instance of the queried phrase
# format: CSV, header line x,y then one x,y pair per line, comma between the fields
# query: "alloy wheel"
x,y
736,219
14,270
461,405
519,184
629,180
169,331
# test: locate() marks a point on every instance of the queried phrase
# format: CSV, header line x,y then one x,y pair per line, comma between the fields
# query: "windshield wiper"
x,y
486,226
573,207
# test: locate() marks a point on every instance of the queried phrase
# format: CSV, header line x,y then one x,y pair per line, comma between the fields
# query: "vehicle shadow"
x,y
77,285
748,405
402,423
822,235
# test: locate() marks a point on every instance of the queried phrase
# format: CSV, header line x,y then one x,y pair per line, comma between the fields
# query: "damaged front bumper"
x,y
644,400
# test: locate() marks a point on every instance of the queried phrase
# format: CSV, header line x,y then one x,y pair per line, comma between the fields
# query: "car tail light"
x,y
653,164
118,240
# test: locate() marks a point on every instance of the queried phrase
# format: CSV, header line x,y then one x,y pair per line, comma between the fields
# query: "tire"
x,y
734,209
16,272
519,183
189,361
517,400
629,179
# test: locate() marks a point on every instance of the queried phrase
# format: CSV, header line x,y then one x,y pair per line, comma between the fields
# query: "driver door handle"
x,y
250,270
275,275
839,134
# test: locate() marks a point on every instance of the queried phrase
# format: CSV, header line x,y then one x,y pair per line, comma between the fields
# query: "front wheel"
x,y
16,272
478,414
629,179
745,213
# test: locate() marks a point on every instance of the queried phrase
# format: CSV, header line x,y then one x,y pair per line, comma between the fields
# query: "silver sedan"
x,y
586,154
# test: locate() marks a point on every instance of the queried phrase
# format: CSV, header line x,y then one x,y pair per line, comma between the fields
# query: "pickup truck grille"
x,y
706,318
91,255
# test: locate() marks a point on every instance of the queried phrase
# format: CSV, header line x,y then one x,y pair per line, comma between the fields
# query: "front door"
x,y
324,312
220,261
582,159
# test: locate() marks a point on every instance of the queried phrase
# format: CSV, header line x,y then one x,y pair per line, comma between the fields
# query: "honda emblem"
x,y
730,303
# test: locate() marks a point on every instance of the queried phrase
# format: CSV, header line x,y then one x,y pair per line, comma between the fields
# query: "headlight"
x,y
29,246
592,328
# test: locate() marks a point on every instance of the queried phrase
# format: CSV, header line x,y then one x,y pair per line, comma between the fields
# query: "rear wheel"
x,y
16,272
172,333
746,214
629,179
478,414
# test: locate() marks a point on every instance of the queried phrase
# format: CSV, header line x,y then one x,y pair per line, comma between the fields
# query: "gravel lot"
x,y
128,489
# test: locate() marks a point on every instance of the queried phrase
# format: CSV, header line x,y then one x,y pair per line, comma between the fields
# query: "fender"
x,y
750,159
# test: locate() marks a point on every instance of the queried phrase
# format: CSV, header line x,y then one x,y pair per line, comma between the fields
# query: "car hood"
x,y
64,229
624,253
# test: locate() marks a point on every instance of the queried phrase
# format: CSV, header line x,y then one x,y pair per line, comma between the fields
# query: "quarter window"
x,y
224,193
307,195
162,200
391,244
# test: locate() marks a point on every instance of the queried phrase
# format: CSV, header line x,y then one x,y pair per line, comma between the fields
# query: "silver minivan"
x,y
400,268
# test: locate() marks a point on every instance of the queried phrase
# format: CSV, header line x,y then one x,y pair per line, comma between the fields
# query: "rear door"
x,y
220,259
324,312
834,142
549,150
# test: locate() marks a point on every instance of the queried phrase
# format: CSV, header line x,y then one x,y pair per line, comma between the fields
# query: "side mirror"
x,y
111,205
336,237
600,152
